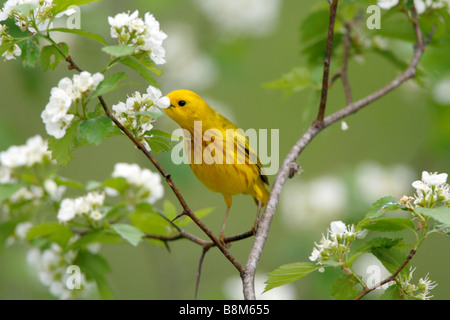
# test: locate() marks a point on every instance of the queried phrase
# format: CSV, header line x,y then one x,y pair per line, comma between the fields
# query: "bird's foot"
x,y
255,226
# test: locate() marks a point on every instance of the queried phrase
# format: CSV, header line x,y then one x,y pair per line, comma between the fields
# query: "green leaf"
x,y
295,80
169,209
289,273
391,258
381,206
8,189
30,52
94,236
344,287
95,267
50,56
61,149
185,220
80,32
118,183
441,214
135,65
120,50
62,5
385,224
96,130
128,232
7,229
109,84
391,293
160,141
53,231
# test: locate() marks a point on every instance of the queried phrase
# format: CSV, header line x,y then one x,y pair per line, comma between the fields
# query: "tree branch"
x,y
248,274
166,176
392,277
326,67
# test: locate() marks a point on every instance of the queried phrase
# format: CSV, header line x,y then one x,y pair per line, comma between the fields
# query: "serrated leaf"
x,y
160,141
80,32
30,52
142,70
391,258
344,287
150,222
381,206
96,130
61,149
53,231
128,232
391,293
109,84
120,50
385,224
289,273
50,57
441,214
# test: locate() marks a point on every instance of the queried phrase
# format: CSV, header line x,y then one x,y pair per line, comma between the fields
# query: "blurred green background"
x,y
387,146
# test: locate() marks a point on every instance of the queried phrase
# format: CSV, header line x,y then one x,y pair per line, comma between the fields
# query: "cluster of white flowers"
x,y
148,184
41,13
52,268
242,17
14,50
20,232
420,291
89,205
34,151
144,34
430,190
421,5
136,113
56,114
336,243
31,14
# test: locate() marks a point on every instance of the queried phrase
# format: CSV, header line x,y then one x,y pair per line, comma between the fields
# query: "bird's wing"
x,y
245,153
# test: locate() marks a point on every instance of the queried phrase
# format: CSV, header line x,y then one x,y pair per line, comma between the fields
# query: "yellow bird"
x,y
228,168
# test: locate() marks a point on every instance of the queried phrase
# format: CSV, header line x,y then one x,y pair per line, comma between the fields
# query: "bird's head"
x,y
186,107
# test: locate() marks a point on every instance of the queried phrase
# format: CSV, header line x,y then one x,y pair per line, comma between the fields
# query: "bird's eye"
x,y
181,103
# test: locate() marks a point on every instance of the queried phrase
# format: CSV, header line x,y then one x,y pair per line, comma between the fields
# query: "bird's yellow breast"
x,y
220,167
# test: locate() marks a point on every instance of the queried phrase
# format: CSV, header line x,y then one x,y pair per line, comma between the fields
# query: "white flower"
x,y
434,179
22,229
148,183
387,4
53,189
91,202
67,210
13,52
56,115
145,34
33,152
420,6
344,126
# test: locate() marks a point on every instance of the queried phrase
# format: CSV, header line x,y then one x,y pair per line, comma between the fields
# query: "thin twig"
x,y
392,277
248,274
326,68
166,176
